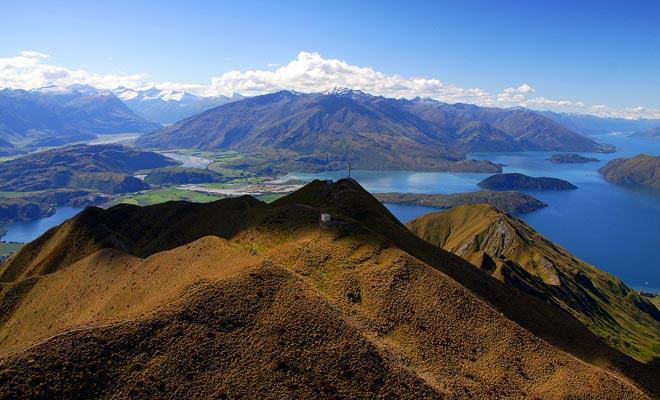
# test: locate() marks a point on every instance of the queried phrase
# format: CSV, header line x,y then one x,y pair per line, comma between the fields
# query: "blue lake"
x,y
614,228
30,230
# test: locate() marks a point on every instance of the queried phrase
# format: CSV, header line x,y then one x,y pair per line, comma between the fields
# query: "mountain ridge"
x,y
381,286
511,251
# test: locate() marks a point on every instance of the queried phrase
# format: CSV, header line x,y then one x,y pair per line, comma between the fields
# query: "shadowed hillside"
x,y
239,298
511,251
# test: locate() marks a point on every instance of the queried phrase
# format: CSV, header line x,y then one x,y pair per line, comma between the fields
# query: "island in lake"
x,y
508,201
515,181
641,171
571,159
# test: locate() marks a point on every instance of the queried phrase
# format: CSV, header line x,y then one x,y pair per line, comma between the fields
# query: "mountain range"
x,y
168,106
239,298
652,133
54,116
586,124
325,130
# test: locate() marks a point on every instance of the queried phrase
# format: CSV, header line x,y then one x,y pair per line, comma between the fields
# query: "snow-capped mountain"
x,y
168,106
354,94
53,116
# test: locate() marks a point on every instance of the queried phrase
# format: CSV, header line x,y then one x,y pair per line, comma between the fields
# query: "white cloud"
x,y
27,71
524,88
309,72
33,54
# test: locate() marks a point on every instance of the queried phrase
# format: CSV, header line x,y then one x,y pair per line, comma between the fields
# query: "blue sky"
x,y
581,53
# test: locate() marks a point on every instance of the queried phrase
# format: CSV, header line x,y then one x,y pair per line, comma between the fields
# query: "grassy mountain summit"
x,y
325,130
639,171
239,298
512,252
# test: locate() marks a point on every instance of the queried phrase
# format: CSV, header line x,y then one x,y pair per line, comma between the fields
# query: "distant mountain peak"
x,y
54,115
424,100
347,92
87,89
51,89
168,106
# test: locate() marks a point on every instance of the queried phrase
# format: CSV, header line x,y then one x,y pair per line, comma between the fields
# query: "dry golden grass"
x,y
240,299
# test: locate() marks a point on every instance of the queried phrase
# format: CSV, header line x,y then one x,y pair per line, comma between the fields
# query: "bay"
x,y
26,231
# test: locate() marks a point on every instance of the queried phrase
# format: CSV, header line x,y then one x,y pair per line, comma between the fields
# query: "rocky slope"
x,y
642,171
512,252
239,298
